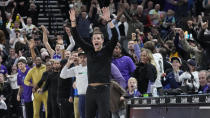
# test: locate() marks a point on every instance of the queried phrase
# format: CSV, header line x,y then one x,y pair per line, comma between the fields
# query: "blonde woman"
x,y
132,90
145,72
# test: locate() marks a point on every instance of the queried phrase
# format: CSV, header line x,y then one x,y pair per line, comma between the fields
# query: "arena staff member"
x,y
98,65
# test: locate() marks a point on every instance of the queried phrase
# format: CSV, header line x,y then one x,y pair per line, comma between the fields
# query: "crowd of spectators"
x,y
162,45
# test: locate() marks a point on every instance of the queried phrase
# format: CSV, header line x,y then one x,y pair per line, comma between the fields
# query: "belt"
x,y
98,84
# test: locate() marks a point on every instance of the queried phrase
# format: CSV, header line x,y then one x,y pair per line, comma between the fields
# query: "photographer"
x,y
189,78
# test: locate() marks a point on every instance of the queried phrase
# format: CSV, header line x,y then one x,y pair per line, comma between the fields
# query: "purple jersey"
x,y
27,90
3,69
125,65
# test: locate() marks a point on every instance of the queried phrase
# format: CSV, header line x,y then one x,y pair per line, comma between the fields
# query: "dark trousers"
x,y
53,106
16,106
4,113
82,106
97,99
66,108
29,109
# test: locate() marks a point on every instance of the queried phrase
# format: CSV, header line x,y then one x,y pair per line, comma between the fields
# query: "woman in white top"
x,y
13,83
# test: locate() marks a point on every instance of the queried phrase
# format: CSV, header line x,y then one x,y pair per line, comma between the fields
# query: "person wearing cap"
x,y
192,49
80,72
31,79
98,66
190,77
24,92
171,80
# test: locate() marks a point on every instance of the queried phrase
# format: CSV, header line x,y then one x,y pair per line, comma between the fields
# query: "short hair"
x,y
22,60
132,78
150,45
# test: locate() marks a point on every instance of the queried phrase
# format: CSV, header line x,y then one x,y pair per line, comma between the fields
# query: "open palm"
x,y
105,13
72,15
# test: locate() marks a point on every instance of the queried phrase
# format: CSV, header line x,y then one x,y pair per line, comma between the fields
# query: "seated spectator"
x,y
207,88
202,79
132,90
171,80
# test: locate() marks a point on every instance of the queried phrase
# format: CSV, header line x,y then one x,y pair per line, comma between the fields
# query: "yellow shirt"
x,y
35,74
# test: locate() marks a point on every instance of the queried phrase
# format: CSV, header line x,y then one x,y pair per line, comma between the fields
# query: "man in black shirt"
x,y
51,85
98,65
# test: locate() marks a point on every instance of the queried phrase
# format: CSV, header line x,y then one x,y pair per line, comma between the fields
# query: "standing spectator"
x,y
123,63
83,23
32,78
144,67
10,59
155,15
190,77
13,83
22,7
25,92
29,27
16,27
65,94
51,85
133,22
117,76
203,40
80,72
33,12
45,76
171,81
54,54
5,94
98,91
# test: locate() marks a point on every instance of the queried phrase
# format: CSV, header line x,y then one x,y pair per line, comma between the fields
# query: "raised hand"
x,y
72,15
68,31
106,13
181,35
70,61
44,29
204,25
31,44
